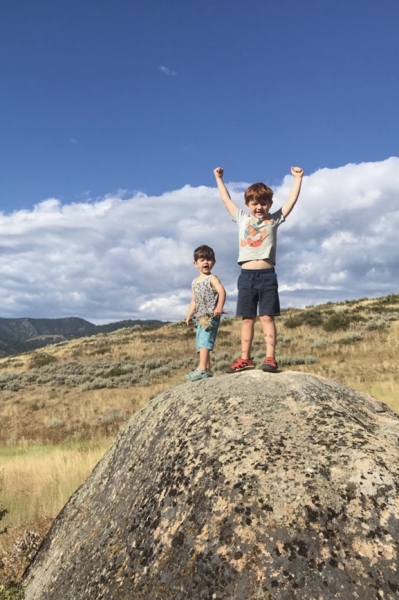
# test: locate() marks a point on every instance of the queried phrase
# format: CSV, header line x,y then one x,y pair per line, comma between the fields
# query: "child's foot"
x,y
197,374
209,373
270,365
241,364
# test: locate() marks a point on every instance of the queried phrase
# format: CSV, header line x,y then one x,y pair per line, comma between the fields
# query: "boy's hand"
x,y
297,171
218,172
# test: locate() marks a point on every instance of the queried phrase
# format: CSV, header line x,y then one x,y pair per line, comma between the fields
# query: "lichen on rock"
x,y
250,486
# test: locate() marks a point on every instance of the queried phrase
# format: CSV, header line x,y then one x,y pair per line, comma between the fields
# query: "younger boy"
x,y
206,307
257,283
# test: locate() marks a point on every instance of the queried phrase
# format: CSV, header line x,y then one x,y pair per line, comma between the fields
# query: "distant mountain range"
x,y
23,335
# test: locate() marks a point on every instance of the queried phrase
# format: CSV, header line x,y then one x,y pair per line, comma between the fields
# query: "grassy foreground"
x,y
61,406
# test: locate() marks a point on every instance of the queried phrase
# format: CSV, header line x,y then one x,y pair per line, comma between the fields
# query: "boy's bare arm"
x,y
287,207
191,309
223,191
216,284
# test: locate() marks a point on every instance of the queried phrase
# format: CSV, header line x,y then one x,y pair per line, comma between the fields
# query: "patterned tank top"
x,y
205,298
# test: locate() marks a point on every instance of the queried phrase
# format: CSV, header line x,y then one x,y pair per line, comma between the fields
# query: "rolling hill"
x,y
25,334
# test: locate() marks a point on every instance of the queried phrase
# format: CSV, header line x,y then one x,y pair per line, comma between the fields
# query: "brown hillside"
x,y
62,392
62,406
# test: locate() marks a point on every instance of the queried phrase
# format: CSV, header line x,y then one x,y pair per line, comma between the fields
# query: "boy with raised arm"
x,y
257,283
206,307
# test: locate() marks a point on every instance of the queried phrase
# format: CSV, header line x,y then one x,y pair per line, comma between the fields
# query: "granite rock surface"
x,y
248,486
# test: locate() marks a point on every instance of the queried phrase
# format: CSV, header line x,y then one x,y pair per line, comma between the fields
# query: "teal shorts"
x,y
206,337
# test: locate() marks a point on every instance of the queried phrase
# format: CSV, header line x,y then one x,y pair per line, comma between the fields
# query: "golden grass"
x,y
36,481
39,471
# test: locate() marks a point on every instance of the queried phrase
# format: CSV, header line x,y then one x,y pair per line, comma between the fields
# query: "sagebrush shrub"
x,y
39,360
295,360
55,422
319,343
294,322
376,324
283,340
113,415
352,338
336,321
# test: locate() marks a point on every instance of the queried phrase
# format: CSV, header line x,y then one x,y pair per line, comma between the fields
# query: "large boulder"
x,y
248,486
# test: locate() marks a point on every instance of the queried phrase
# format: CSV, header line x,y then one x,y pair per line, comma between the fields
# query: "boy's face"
x,y
204,265
259,209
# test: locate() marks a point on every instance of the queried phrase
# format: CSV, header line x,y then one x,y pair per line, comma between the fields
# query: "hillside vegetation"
x,y
61,406
23,335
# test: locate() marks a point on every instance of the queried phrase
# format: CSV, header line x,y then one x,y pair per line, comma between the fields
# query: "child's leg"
x,y
204,342
247,335
204,359
269,334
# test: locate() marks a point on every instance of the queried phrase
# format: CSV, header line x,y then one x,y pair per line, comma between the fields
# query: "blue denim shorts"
x,y
206,337
258,289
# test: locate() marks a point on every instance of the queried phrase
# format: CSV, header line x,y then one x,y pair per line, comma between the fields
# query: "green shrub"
x,y
294,322
113,415
337,321
319,343
8,381
221,366
11,591
223,334
390,299
376,324
40,360
55,422
160,372
392,316
115,372
257,343
221,356
177,325
351,338
357,318
228,321
155,363
313,319
283,340
99,351
285,361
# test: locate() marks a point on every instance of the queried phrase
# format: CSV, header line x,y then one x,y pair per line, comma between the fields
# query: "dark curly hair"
x,y
204,252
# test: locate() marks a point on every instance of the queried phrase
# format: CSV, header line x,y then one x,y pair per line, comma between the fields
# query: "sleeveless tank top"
x,y
205,298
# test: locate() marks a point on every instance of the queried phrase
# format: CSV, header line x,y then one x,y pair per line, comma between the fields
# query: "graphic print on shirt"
x,y
205,297
255,232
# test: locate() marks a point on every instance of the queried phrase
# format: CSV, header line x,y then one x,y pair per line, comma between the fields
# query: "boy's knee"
x,y
267,318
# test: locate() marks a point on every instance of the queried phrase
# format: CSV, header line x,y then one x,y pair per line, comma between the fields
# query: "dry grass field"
x,y
61,406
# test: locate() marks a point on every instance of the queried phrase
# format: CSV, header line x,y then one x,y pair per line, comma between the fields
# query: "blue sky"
x,y
105,100
254,85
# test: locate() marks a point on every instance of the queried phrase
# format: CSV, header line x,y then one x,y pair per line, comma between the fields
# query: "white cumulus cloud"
x,y
131,256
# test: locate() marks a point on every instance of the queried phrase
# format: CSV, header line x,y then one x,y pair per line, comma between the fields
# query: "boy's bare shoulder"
x,y
215,282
